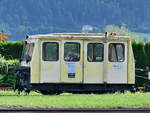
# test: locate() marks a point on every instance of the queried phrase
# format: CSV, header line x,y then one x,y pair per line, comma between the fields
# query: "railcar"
x,y
77,63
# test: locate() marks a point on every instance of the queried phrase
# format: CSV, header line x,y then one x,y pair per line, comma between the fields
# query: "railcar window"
x,y
71,51
116,52
27,52
50,51
95,52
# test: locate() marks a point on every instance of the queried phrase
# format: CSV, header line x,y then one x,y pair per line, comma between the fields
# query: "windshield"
x,y
27,52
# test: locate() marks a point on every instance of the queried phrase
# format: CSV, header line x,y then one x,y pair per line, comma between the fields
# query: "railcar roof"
x,y
77,36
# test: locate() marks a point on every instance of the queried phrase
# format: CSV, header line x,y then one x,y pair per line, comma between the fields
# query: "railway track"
x,y
72,110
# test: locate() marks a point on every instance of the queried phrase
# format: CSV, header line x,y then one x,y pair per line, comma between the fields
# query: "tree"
x,y
2,31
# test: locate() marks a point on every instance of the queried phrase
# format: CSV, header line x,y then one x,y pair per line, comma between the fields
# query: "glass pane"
x,y
90,52
27,52
120,52
30,52
99,52
71,51
50,51
95,52
116,52
112,53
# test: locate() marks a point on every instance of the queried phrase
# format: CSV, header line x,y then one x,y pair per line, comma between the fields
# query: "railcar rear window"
x,y
116,52
50,51
71,51
95,52
27,52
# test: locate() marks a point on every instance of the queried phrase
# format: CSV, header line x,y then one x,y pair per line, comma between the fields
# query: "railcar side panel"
x,y
35,63
131,64
50,61
93,62
117,63
72,69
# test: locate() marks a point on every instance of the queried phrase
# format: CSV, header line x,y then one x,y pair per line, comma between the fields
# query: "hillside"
x,y
45,16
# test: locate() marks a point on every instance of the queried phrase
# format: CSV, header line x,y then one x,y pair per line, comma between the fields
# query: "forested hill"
x,y
45,16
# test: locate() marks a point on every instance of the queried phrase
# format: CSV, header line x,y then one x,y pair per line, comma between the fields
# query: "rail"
x,y
74,110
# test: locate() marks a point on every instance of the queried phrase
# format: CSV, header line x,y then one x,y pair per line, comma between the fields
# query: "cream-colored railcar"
x,y
79,62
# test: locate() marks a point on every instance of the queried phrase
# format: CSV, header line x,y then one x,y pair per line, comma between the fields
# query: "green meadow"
x,y
68,100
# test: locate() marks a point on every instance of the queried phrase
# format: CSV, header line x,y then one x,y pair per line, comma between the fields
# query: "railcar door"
x,y
93,61
117,63
72,61
50,62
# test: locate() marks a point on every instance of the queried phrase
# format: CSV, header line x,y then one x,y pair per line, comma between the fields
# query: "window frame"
x,y
123,45
43,56
78,52
102,54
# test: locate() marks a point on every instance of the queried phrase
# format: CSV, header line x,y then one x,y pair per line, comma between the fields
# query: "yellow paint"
x,y
50,72
131,65
35,63
46,66
109,66
93,72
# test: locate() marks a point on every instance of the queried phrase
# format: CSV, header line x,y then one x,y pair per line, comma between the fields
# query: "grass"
x,y
65,100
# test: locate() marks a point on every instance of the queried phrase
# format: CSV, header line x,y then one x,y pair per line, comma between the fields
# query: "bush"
x,y
7,79
142,57
11,50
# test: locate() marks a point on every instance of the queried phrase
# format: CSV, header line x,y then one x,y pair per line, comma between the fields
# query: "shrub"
x,y
11,50
7,79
